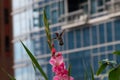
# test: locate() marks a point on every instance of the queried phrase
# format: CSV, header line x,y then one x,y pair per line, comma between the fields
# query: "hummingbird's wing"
x,y
62,32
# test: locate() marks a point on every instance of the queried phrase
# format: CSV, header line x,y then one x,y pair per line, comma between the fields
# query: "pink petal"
x,y
56,78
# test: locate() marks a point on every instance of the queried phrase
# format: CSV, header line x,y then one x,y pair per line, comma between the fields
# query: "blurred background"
x,y
92,33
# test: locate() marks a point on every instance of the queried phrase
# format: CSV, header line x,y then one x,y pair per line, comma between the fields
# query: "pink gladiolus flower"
x,y
56,60
53,50
61,73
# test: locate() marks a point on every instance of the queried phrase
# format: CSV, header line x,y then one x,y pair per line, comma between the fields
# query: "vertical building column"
x,y
66,9
1,30
89,8
2,59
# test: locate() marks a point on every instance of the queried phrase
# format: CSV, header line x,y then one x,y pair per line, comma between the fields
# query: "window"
x,y
77,65
41,20
107,0
42,45
65,41
101,33
73,5
54,5
17,52
86,36
54,16
49,71
61,7
95,50
93,6
100,3
94,35
109,48
6,16
7,43
78,38
18,73
117,47
95,61
36,22
70,40
47,9
102,49
110,56
117,30
109,31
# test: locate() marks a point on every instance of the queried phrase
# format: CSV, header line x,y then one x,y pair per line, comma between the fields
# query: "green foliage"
x,y
116,52
69,70
101,68
114,74
89,74
34,61
10,77
103,64
47,30
92,73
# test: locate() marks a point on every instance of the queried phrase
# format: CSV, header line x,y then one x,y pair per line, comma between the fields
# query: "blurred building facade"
x,y
92,34
6,47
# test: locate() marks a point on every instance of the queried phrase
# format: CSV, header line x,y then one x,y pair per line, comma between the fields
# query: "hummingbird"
x,y
59,37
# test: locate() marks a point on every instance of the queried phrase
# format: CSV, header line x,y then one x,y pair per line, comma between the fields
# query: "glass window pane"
x,y
54,5
117,30
47,9
70,40
102,49
100,3
117,47
101,33
78,38
109,31
109,48
54,16
17,52
61,7
86,36
41,20
18,73
42,45
65,42
95,50
110,56
94,35
95,63
15,4
93,6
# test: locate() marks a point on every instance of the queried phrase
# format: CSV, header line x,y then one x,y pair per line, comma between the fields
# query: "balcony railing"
x,y
111,9
113,6
74,16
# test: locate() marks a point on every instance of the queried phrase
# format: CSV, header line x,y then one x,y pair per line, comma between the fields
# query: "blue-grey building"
x,y
92,33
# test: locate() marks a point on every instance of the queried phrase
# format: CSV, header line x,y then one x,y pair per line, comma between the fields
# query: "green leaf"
x,y
101,68
34,61
114,74
92,73
116,52
86,74
11,77
47,30
34,66
69,70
